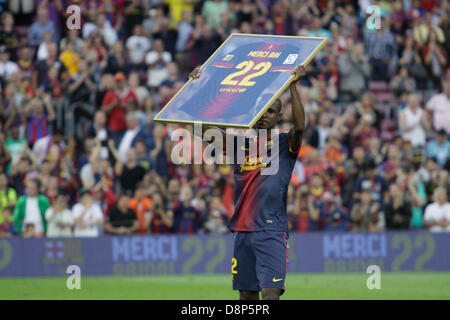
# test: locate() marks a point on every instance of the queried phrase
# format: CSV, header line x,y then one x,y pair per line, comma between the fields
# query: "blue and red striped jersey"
x,y
260,200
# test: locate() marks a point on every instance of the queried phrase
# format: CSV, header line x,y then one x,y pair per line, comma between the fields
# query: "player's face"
x,y
269,118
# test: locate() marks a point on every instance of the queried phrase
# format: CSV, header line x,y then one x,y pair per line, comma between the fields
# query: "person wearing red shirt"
x,y
114,104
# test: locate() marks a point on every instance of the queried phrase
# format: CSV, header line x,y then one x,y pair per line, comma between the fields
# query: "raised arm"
x,y
195,74
298,112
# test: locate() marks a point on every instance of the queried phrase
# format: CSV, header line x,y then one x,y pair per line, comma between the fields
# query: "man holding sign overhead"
x,y
259,223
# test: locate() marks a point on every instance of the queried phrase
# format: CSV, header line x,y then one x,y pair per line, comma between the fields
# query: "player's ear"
x,y
280,114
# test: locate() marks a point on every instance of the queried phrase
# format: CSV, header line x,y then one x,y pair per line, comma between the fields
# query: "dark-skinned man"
x,y
259,223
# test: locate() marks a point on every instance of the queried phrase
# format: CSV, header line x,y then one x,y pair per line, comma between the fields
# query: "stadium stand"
x,y
76,110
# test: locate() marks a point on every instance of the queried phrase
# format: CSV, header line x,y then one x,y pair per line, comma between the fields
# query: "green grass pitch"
x,y
403,285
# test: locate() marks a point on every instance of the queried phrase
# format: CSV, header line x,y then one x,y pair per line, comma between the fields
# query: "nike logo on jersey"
x,y
276,280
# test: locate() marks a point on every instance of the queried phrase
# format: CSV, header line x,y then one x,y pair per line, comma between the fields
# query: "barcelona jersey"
x,y
260,200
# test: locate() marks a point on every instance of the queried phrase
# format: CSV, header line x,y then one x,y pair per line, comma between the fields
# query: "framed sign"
x,y
241,80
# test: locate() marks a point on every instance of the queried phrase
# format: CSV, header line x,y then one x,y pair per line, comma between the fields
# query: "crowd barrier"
x,y
185,254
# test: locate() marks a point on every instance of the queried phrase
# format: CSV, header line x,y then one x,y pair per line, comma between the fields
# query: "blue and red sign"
x,y
180,254
240,81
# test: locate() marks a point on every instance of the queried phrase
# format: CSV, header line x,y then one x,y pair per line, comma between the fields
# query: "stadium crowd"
x,y
374,157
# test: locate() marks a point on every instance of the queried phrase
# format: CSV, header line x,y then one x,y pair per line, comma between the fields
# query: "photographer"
x,y
365,215
160,219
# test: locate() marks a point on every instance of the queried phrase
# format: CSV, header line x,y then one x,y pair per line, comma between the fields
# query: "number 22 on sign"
x,y
247,65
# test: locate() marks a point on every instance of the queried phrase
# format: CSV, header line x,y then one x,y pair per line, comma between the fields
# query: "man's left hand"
x,y
298,73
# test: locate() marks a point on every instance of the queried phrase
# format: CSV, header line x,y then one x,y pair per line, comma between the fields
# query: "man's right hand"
x,y
196,73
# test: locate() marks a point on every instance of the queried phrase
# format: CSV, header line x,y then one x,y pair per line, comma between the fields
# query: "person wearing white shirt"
x,y
104,27
87,215
59,218
137,46
7,67
437,214
127,140
32,215
157,61
439,106
413,122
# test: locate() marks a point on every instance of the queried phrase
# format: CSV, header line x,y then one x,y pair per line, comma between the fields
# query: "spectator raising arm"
x,y
118,167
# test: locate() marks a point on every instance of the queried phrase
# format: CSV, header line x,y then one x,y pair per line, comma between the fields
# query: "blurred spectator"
x,y
439,107
70,58
29,213
40,27
42,51
73,37
39,121
98,131
212,9
217,219
116,60
186,217
354,68
81,85
332,216
121,219
203,42
128,171
413,122
141,204
415,192
137,46
5,156
160,151
161,215
114,104
437,214
435,59
398,210
185,29
8,196
365,215
87,216
50,148
141,91
7,67
26,64
403,83
7,222
40,76
133,133
142,155
134,14
317,29
157,61
382,50
439,148
320,133
9,36
423,29
364,131
59,218
371,182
